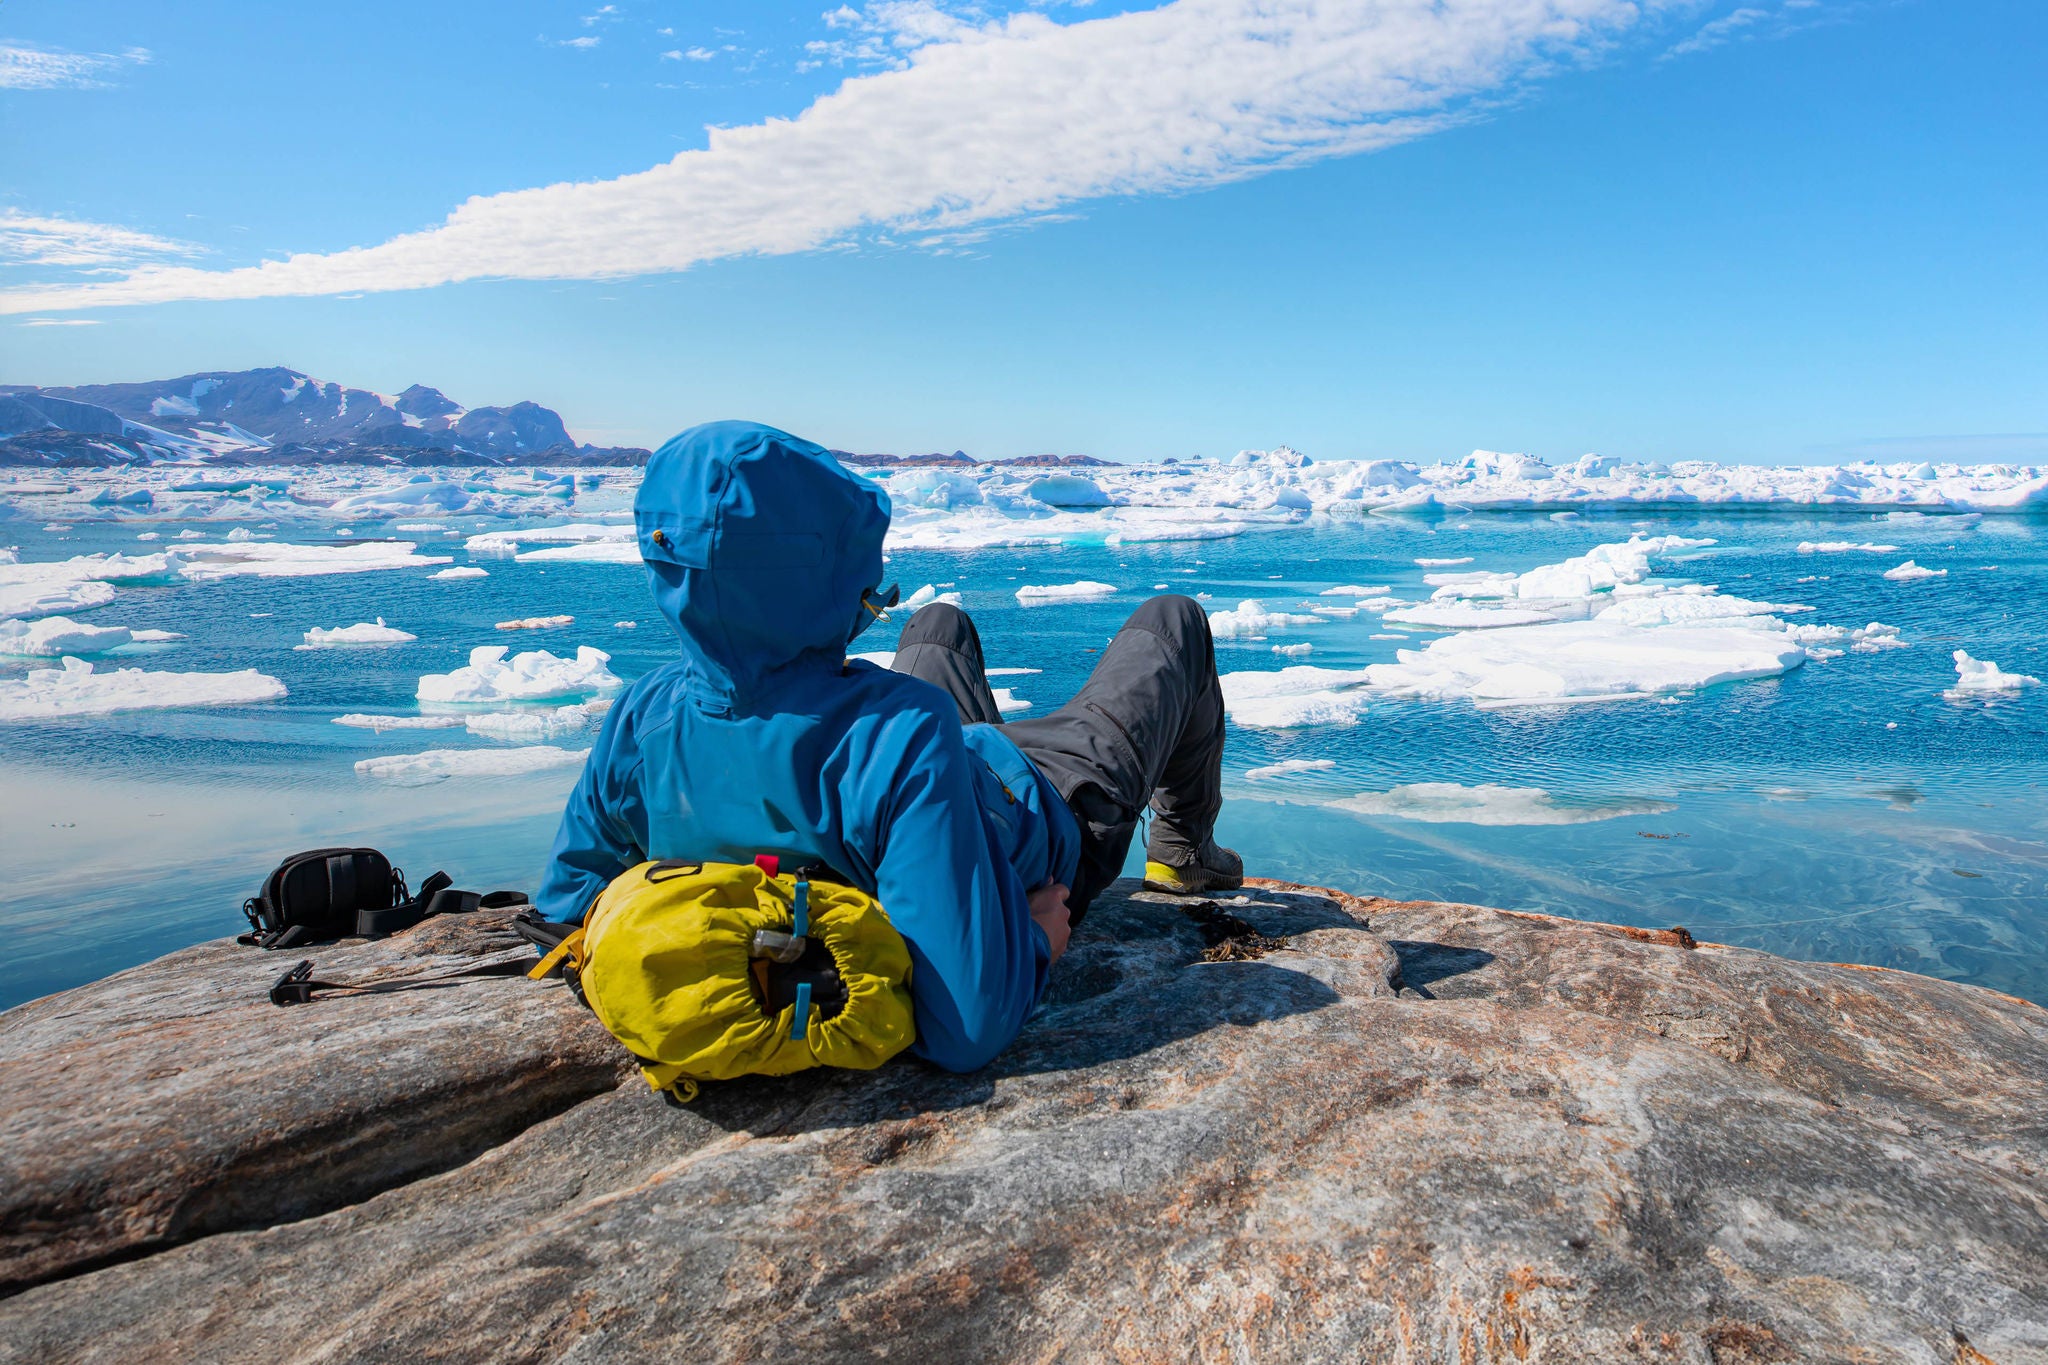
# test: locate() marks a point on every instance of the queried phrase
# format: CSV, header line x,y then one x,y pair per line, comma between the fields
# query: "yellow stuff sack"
x,y
710,971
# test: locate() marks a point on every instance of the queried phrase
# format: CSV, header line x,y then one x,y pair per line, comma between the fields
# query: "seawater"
x,y
1846,811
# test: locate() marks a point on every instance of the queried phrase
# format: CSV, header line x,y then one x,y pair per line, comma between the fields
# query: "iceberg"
x,y
537,623
438,765
533,676
1008,702
1910,572
1978,677
76,689
363,633
461,571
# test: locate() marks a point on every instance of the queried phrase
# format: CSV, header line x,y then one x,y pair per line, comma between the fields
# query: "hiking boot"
x,y
1215,868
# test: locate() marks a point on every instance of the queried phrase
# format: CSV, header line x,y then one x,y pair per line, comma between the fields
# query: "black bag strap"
x,y
297,986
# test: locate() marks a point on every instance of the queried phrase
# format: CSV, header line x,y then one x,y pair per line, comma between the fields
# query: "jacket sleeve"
x,y
978,962
604,826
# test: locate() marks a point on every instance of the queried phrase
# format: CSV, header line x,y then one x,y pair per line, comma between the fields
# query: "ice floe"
x,y
54,636
1032,594
1353,590
1285,766
1466,615
1981,677
1251,620
928,594
1910,572
76,689
536,726
461,571
362,633
1836,547
1489,804
532,676
362,721
438,765
1584,661
537,623
1444,563
1008,702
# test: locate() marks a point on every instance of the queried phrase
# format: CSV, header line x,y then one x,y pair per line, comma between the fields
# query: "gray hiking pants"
x,y
1146,729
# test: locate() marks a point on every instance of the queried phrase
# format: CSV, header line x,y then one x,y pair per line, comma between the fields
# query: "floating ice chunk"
x,y
413,527
58,635
1679,608
1251,618
191,533
1831,642
927,595
532,727
1389,637
1585,661
462,571
438,765
1289,765
1009,703
1067,490
253,560
1353,590
76,690
1293,697
150,535
154,637
1910,572
1295,651
533,676
1836,547
362,633
1466,615
1979,676
48,599
361,721
1064,592
1489,804
1009,672
537,623
613,539
241,535
625,625
1443,563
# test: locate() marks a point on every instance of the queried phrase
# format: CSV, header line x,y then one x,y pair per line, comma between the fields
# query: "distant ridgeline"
x,y
281,417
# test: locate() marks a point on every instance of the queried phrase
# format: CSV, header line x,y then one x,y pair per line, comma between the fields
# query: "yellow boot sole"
x,y
1186,881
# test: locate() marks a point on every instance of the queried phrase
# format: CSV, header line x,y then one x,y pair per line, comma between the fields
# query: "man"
x,y
983,843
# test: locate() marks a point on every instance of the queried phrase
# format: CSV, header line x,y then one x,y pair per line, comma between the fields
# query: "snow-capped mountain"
x,y
275,415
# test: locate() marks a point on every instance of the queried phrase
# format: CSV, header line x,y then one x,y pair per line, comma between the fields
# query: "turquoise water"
x,y
1845,811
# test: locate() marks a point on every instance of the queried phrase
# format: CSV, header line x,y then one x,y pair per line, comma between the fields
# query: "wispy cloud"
x,y
1751,21
984,123
585,41
42,68
30,240
58,322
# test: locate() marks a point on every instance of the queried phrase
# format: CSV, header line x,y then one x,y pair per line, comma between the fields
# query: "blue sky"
x,y
1783,230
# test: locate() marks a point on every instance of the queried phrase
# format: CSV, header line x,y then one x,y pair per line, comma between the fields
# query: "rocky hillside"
x,y
1290,1126
278,416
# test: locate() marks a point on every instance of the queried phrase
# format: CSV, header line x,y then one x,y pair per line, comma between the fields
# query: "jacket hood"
x,y
760,548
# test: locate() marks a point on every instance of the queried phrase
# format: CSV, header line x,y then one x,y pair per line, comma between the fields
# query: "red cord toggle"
x,y
768,863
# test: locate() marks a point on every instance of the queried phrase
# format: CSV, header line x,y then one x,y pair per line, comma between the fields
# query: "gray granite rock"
x,y
1411,1132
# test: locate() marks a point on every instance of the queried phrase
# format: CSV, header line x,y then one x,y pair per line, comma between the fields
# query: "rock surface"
x,y
1412,1132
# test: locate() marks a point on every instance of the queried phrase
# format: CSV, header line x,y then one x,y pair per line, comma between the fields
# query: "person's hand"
x,y
1049,910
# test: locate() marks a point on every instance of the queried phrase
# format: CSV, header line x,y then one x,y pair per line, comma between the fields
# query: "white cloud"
x,y
58,322
585,42
1751,22
66,242
983,124
35,68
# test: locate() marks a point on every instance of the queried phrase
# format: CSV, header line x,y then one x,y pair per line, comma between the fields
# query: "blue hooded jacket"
x,y
765,738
